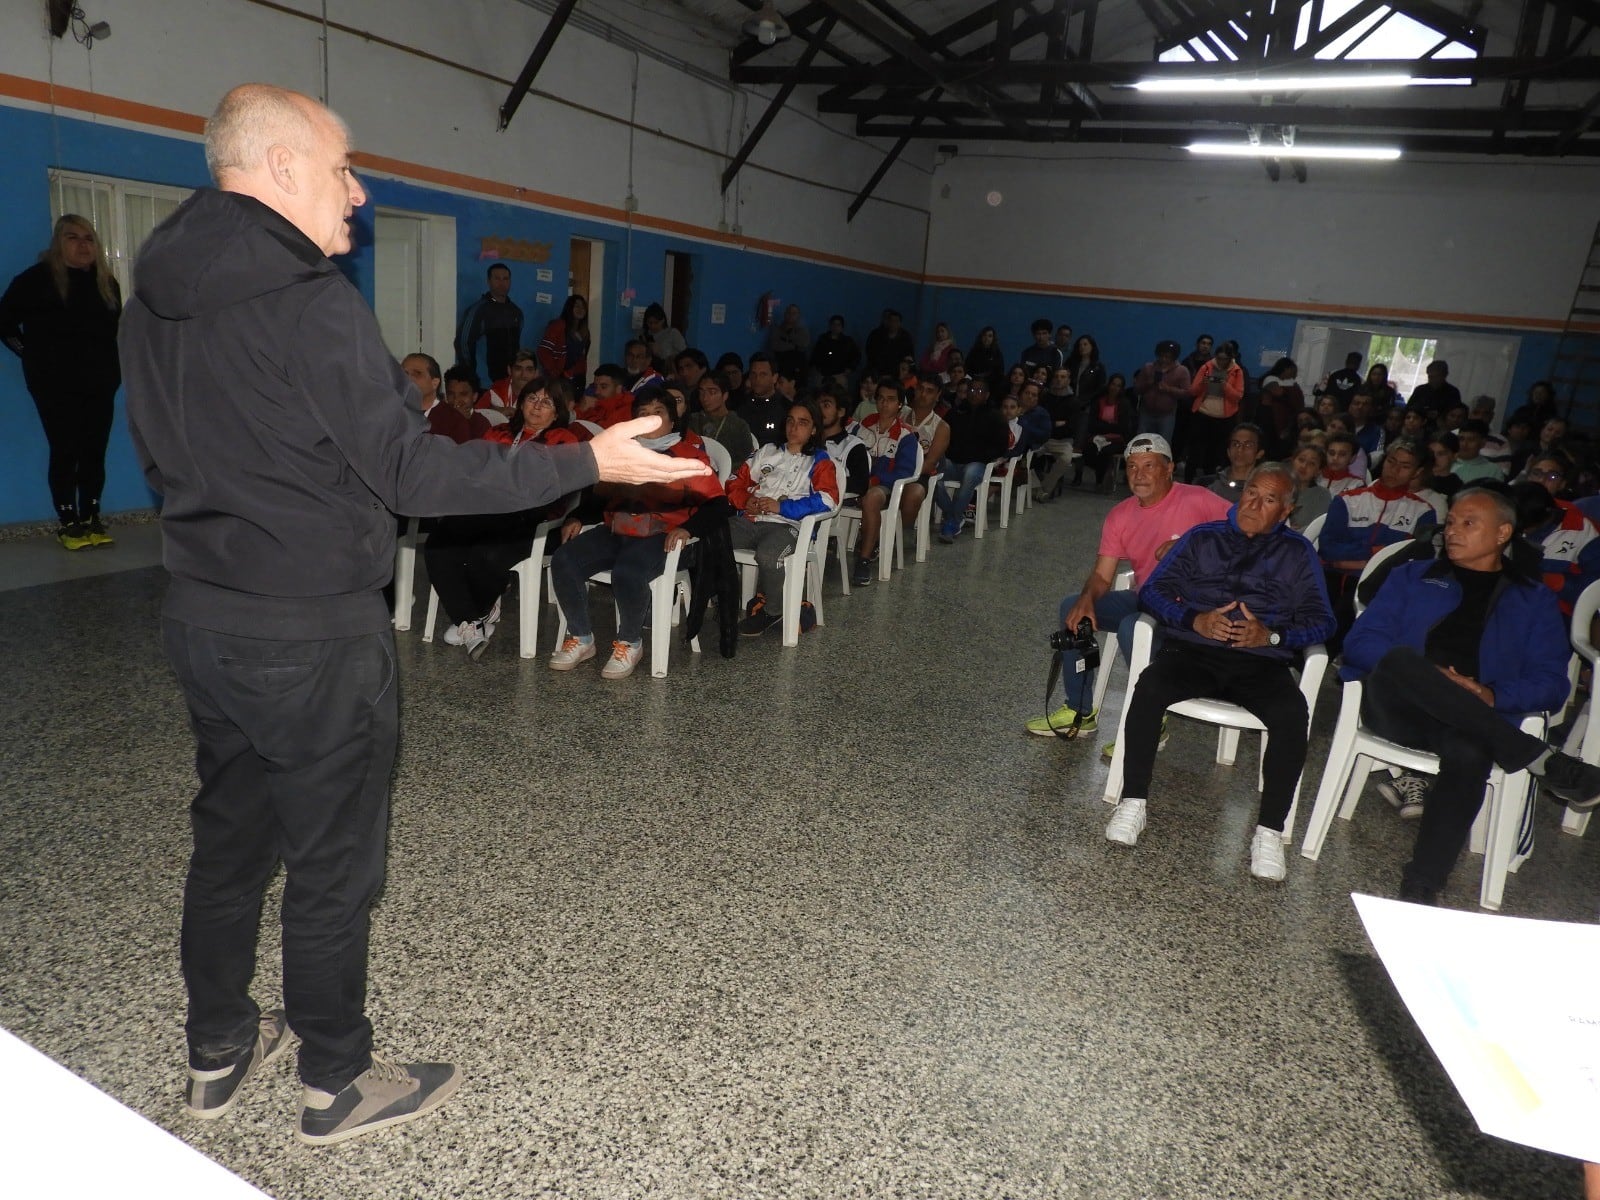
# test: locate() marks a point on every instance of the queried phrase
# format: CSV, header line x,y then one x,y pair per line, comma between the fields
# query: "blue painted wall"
x,y
724,275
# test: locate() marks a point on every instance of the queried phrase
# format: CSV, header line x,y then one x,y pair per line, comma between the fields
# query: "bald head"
x,y
292,154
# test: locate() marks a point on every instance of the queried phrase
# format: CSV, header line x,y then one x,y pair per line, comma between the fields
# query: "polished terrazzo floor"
x,y
817,922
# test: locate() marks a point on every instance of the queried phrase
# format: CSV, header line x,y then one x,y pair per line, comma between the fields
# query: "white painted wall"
x,y
183,54
1491,238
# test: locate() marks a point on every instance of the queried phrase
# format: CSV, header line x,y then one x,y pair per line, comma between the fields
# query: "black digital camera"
x,y
1082,640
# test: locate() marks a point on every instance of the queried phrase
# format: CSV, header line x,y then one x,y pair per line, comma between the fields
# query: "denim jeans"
x,y
633,563
1114,612
1162,424
968,476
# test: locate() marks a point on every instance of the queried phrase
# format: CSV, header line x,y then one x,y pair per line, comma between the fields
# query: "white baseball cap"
x,y
1148,443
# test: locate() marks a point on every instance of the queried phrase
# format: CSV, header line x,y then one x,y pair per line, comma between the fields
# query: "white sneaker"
x,y
476,639
573,651
1127,823
456,635
1266,854
491,620
624,658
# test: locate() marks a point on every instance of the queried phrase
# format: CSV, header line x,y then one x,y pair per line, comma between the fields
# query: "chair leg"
x,y
794,581
405,582
433,615
1334,774
1353,788
530,578
661,596
1227,745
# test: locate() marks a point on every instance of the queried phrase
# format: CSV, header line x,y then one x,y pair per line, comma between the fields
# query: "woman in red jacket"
x,y
638,527
1217,389
470,558
564,350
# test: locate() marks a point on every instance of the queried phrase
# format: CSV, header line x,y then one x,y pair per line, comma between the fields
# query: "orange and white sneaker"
x,y
624,658
573,651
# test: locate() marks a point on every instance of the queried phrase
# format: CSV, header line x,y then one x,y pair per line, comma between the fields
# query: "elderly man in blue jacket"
x,y
1454,652
1238,600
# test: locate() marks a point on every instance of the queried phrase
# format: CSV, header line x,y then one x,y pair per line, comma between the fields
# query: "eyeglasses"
x,y
1245,444
539,401
1548,476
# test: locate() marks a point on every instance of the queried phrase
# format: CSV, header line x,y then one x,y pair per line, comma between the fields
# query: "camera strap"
x,y
1065,731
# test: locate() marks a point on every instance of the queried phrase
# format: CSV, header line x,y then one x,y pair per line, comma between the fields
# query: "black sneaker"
x,y
212,1092
758,622
1572,782
384,1094
862,575
1415,893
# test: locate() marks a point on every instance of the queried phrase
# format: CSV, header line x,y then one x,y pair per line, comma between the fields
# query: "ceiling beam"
x,y
959,72
1564,142
531,68
817,40
888,161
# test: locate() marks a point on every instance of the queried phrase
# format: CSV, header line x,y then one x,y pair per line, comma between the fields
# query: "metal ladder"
x,y
1575,368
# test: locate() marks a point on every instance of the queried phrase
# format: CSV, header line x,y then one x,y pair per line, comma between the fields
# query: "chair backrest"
x,y
1373,565
721,460
1583,613
590,426
1313,531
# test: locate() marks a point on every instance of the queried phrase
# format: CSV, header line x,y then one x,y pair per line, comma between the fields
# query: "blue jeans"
x,y
633,563
968,475
1115,612
1163,424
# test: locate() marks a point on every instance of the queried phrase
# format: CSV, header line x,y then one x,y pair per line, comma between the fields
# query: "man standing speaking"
x,y
281,433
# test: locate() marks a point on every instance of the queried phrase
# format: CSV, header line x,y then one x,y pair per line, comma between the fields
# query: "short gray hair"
x,y
1282,471
254,117
1504,508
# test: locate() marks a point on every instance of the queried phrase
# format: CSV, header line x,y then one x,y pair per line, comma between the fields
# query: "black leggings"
x,y
1208,443
77,424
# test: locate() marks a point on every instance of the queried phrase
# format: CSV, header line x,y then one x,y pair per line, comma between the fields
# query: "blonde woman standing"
x,y
60,317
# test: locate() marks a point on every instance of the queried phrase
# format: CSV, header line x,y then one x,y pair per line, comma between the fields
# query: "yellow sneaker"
x,y
1060,723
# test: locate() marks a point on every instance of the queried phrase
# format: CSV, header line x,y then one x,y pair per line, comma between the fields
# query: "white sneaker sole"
x,y
566,664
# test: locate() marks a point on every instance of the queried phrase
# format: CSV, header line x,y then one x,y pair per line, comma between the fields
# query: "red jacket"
x,y
447,422
556,435
498,396
1232,388
606,413
552,353
644,510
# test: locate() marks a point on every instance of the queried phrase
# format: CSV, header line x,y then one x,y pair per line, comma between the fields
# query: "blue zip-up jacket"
x,y
1523,654
1276,574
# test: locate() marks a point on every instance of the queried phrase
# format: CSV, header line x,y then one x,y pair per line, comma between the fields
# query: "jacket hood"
x,y
220,249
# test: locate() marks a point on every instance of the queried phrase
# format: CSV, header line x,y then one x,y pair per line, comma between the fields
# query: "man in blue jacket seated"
x,y
1453,653
1238,600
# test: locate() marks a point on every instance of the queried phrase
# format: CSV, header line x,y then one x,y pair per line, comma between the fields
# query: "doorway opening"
x,y
677,289
414,271
586,276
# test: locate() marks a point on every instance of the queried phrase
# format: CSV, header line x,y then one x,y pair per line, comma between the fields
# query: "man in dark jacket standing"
x,y
1238,600
495,320
283,437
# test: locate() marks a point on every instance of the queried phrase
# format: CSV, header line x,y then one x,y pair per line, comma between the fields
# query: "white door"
x,y
400,258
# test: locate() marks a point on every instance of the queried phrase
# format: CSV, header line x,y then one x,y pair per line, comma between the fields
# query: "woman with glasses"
x,y
470,558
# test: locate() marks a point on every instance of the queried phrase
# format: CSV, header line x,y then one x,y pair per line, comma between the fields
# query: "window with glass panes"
x,y
123,212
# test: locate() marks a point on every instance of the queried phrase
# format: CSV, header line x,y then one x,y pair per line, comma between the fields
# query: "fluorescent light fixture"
x,y
1227,85
1278,150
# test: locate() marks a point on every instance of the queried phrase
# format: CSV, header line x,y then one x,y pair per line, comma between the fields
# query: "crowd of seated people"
x,y
818,425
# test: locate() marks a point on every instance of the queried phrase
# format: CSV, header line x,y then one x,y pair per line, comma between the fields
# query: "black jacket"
x,y
281,432
978,433
66,347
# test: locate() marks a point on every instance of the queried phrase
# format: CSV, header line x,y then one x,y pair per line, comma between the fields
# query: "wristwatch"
x,y
1274,638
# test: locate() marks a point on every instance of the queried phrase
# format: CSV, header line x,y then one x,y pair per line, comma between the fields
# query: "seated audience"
x,y
470,558
1276,413
866,398
1245,452
935,360
978,437
731,367
423,370
502,394
1368,431
1541,405
764,409
639,525
1034,419
1111,421
638,366
1496,448
1139,529
1357,464
771,493
933,431
852,464
1470,465
1438,482
1568,542
1363,520
608,400
893,448
1437,394
1311,497
715,423
1238,600
1066,410
1452,653
663,341
690,368
455,418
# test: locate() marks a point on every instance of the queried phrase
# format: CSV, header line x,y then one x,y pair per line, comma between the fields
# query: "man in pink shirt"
x,y
1140,529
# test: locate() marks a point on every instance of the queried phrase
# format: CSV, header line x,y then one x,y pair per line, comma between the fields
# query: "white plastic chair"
x,y
405,571
802,573
530,575
1584,738
1022,468
669,599
924,525
1313,531
592,426
1229,718
1107,638
1502,832
721,460
888,530
1381,556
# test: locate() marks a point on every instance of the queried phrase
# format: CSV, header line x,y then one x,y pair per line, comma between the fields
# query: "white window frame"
x,y
111,225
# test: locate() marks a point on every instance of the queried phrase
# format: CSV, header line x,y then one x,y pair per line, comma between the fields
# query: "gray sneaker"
x,y
385,1094
212,1092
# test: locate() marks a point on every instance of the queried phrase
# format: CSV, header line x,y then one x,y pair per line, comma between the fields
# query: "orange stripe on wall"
x,y
37,91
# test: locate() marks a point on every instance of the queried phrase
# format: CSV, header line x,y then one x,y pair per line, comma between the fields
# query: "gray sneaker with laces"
x,y
385,1094
213,1089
